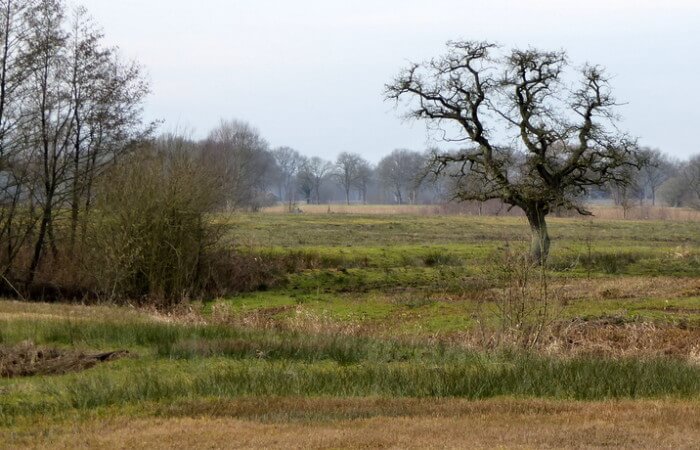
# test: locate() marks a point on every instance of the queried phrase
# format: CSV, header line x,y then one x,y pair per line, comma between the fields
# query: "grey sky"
x,y
309,73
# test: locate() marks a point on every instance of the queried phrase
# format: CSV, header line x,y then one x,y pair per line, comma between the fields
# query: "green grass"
x,y
176,341
144,381
405,286
356,253
174,362
337,231
411,274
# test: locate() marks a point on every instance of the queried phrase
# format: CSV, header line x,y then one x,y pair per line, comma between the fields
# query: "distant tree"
x,y
631,190
674,191
313,171
365,174
401,173
288,162
567,141
346,173
243,156
304,181
690,175
656,170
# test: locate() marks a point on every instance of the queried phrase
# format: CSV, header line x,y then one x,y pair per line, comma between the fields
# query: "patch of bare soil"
x,y
28,359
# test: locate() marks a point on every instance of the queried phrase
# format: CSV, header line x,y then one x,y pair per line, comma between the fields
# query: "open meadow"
x,y
378,330
269,224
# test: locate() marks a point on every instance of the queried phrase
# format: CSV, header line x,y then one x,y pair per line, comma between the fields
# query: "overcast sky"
x,y
310,73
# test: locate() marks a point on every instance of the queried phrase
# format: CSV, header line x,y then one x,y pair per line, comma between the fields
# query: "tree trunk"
x,y
539,249
39,245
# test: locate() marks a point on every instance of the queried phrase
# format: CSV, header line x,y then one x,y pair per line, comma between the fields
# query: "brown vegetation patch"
x,y
264,317
406,423
27,359
626,288
618,337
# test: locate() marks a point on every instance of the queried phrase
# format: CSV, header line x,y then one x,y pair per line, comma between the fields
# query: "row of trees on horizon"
x,y
260,175
266,176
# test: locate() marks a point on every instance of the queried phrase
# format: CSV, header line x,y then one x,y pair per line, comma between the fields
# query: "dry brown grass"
x,y
602,212
596,290
399,424
417,210
608,339
12,309
625,288
647,212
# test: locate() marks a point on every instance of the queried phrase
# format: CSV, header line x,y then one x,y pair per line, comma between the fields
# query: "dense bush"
x,y
150,234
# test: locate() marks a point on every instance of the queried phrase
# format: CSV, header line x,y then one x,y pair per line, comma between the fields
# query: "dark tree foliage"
x,y
536,142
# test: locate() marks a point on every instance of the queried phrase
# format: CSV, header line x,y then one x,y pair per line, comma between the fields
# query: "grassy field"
x,y
383,331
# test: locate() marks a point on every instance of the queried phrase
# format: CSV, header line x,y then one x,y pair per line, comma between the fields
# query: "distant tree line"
x,y
261,176
661,180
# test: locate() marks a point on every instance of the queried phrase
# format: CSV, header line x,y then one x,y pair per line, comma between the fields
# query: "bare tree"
x,y
107,97
68,107
85,107
288,162
690,175
312,173
244,161
304,180
401,173
630,190
656,170
347,172
365,175
52,114
16,175
674,192
566,139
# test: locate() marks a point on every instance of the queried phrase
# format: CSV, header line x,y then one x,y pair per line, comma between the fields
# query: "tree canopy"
x,y
535,139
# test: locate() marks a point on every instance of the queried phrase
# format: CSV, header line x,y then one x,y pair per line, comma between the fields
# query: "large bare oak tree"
x,y
537,139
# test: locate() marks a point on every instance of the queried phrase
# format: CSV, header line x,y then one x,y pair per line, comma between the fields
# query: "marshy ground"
x,y
381,331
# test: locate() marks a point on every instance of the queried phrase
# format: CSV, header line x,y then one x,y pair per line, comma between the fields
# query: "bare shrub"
x,y
228,270
524,306
151,231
